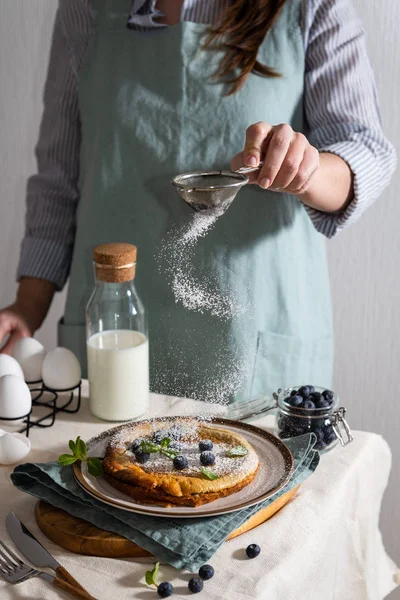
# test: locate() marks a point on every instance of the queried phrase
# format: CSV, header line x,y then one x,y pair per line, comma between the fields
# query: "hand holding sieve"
x,y
212,190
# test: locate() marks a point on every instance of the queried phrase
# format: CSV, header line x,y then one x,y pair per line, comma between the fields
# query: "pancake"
x,y
158,482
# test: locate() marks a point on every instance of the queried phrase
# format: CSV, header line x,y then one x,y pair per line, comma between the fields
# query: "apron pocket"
x,y
285,360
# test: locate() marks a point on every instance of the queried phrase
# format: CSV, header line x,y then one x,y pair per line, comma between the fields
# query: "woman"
x,y
126,108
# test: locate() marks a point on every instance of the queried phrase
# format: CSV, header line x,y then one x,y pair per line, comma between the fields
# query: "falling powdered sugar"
x,y
197,285
197,292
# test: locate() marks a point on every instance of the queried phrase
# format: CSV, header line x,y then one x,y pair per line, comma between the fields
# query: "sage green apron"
x,y
149,110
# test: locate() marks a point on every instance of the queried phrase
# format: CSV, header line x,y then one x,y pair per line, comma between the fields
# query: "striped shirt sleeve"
x,y
52,194
341,106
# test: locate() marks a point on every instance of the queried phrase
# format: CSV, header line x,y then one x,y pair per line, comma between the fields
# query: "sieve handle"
x,y
244,170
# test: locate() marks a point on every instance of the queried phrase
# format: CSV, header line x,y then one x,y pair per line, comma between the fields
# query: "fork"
x,y
13,570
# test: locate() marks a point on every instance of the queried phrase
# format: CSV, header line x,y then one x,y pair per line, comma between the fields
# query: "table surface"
x,y
324,544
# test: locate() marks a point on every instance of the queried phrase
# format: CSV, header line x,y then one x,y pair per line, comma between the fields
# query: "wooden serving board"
x,y
77,535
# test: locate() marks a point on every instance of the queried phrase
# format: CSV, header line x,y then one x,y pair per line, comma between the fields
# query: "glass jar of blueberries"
x,y
307,409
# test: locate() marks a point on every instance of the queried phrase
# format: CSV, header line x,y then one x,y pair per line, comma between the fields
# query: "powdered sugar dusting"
x,y
197,292
198,289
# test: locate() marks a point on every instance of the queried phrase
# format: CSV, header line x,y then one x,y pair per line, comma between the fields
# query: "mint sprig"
x,y
169,453
237,452
151,576
151,448
79,452
209,474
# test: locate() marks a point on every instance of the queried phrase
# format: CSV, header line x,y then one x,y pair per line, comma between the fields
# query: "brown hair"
x,y
239,32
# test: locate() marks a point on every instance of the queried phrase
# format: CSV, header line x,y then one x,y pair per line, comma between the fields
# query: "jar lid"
x,y
115,262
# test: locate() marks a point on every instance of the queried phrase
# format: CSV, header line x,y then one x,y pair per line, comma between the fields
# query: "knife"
x,y
33,550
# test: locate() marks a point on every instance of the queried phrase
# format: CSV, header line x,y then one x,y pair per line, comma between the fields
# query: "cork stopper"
x,y
115,263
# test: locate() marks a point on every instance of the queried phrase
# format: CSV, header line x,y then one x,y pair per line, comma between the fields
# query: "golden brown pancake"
x,y
158,482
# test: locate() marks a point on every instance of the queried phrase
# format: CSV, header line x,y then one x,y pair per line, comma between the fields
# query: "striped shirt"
x,y
340,108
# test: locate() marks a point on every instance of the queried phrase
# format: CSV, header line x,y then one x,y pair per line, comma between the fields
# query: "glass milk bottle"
x,y
117,342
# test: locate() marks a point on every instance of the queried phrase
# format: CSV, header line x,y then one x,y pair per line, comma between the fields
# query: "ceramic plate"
x,y
276,467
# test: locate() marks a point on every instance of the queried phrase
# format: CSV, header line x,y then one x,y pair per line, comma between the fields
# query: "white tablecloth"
x,y
324,545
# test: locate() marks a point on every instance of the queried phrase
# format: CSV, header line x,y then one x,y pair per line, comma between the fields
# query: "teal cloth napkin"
x,y
183,543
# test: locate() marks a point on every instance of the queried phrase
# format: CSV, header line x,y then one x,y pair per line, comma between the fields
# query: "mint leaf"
x,y
149,447
80,448
95,467
165,442
151,576
209,474
66,459
72,446
169,453
237,452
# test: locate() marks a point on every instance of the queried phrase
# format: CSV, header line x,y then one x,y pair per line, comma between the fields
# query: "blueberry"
x,y
165,589
315,396
158,436
142,457
207,458
205,445
304,391
327,394
322,404
309,404
206,572
175,432
312,389
320,435
253,550
293,392
180,462
329,435
175,446
136,444
195,585
296,400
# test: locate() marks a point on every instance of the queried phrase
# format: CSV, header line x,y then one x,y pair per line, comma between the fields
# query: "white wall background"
x,y
364,260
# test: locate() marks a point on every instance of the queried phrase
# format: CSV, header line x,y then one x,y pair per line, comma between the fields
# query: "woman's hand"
x,y
13,324
289,159
291,164
28,312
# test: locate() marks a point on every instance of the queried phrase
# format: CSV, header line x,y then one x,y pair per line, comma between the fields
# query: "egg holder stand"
x,y
49,419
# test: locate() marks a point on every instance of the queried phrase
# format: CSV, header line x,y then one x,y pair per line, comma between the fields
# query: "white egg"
x,y
13,447
30,355
9,366
15,397
61,369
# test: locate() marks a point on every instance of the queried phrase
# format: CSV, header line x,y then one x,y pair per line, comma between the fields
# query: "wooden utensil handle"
x,y
64,574
73,591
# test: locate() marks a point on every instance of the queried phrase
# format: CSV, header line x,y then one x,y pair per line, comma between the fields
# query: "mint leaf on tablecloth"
x,y
95,467
209,474
237,451
66,459
165,442
151,576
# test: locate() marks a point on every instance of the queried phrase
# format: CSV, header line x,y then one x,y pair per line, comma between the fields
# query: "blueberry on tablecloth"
x,y
253,550
195,585
165,589
206,572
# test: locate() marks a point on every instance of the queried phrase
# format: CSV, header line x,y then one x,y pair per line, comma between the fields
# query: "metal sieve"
x,y
212,190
